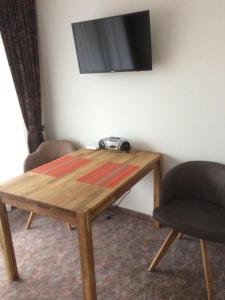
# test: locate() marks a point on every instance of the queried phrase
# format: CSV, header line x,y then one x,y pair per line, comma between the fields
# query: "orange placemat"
x,y
62,166
109,174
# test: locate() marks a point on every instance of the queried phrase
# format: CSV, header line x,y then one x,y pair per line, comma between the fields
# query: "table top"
x,y
84,179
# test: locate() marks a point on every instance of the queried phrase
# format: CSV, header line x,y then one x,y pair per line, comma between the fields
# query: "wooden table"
x,y
75,189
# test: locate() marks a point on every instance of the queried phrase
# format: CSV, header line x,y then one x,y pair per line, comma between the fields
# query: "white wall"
x,y
177,109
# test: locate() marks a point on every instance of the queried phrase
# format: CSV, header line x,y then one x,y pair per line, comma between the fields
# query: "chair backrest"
x,y
201,180
46,152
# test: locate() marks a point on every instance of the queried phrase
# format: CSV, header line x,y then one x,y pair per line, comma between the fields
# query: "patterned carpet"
x,y
48,262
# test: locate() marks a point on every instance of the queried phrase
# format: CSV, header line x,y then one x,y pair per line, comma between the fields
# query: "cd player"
x,y
114,143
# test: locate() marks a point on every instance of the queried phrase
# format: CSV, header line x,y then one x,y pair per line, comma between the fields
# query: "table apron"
x,y
41,209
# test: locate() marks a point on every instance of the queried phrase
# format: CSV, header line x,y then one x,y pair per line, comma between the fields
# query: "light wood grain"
x,y
7,245
74,202
162,251
62,196
207,274
40,209
30,219
86,255
157,186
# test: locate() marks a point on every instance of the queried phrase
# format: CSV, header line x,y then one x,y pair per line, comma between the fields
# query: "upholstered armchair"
x,y
193,203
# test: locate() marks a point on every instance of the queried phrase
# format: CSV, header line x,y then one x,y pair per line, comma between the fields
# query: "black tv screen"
x,y
114,44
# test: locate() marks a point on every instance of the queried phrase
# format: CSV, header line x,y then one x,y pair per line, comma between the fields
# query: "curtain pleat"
x,y
19,34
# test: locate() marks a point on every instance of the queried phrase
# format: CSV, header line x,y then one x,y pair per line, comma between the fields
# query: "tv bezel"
x,y
112,17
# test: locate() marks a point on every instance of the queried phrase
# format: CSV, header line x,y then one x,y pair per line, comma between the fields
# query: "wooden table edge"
x,y
40,208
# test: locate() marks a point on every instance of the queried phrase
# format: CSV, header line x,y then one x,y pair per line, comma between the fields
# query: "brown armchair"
x,y
193,203
46,152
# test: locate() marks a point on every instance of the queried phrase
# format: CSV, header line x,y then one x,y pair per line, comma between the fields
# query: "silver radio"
x,y
114,143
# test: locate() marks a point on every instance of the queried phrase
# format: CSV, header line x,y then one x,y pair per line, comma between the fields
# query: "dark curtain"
x,y
19,35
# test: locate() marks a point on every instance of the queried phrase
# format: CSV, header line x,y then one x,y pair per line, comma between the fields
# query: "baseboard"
x,y
132,213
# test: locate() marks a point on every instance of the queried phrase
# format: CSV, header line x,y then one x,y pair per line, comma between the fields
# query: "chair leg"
x,y
162,251
30,219
205,262
69,226
180,235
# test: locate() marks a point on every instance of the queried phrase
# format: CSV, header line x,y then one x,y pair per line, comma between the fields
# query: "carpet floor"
x,y
49,266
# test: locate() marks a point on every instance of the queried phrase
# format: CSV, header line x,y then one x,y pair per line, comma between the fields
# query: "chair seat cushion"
x,y
197,218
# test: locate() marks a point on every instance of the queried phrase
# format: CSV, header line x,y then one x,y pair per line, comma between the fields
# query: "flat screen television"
x,y
114,44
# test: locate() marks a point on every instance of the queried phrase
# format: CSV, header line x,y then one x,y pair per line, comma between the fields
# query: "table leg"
x,y
86,255
157,186
7,245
